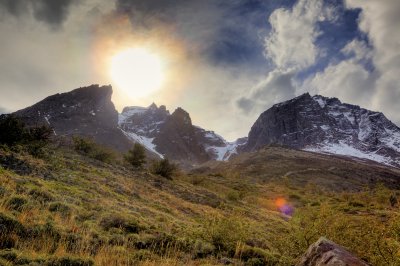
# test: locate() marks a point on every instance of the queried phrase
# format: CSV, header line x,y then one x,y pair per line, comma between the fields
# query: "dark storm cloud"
x,y
226,32
52,12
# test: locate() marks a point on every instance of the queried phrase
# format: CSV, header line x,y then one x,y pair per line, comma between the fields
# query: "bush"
x,y
61,208
93,150
164,168
256,256
69,261
16,203
202,249
225,233
13,131
136,156
120,222
10,225
41,195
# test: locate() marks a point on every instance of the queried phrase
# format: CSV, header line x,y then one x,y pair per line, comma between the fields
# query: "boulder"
x,y
327,253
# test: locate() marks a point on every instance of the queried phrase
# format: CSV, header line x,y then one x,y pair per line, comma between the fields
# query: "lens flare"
x,y
283,206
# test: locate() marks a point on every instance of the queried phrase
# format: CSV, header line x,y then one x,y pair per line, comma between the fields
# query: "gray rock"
x,y
86,111
327,125
327,253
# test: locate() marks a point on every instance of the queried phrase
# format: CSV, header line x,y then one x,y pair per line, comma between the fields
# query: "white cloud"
x,y
291,41
358,49
381,21
276,87
291,47
347,80
350,80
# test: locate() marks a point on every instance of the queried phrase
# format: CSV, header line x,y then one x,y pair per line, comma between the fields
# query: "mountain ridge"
x,y
311,123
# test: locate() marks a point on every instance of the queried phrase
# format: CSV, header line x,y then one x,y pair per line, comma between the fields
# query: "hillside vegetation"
x,y
64,207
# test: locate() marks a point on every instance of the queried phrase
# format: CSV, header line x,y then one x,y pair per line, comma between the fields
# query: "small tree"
x,y
163,168
12,130
136,156
90,148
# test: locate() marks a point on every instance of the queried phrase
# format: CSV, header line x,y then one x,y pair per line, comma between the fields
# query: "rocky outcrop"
x,y
327,253
327,125
86,111
177,138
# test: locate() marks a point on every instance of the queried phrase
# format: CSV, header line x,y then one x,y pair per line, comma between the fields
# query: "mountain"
x,y
326,125
89,111
173,135
86,111
311,123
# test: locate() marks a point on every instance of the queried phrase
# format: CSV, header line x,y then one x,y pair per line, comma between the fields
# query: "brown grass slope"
x,y
68,209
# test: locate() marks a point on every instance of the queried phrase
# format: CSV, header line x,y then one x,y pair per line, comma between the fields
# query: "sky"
x,y
225,61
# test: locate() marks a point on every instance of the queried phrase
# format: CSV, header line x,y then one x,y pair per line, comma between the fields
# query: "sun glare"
x,y
137,71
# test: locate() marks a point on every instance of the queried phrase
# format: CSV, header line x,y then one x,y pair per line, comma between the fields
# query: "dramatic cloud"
x,y
291,41
370,74
222,31
381,20
54,13
291,48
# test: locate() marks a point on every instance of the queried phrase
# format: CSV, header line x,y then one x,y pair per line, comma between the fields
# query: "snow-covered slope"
x,y
327,125
218,148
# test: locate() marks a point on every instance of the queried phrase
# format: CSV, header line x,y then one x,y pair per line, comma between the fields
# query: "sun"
x,y
137,71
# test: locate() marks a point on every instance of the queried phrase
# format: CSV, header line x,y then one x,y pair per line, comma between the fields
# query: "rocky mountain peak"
x,y
181,117
321,124
86,111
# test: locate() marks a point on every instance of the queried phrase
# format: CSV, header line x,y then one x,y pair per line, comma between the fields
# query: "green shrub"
x,y
13,131
116,240
202,249
356,204
225,233
8,254
234,195
119,222
143,255
41,195
136,156
69,261
164,168
93,150
8,227
61,208
256,256
45,231
16,203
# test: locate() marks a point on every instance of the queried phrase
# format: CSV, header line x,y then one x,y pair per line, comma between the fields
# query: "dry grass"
x,y
90,212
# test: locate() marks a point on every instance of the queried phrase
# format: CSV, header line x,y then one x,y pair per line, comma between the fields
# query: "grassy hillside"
x,y
262,208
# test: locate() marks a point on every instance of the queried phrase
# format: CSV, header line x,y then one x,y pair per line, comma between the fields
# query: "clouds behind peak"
x,y
51,12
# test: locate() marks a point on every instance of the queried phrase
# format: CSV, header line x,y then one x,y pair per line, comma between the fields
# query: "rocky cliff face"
x,y
177,138
327,125
86,111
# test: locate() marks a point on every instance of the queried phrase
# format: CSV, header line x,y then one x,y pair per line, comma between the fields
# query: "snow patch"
x,y
47,117
344,149
320,101
130,112
146,142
